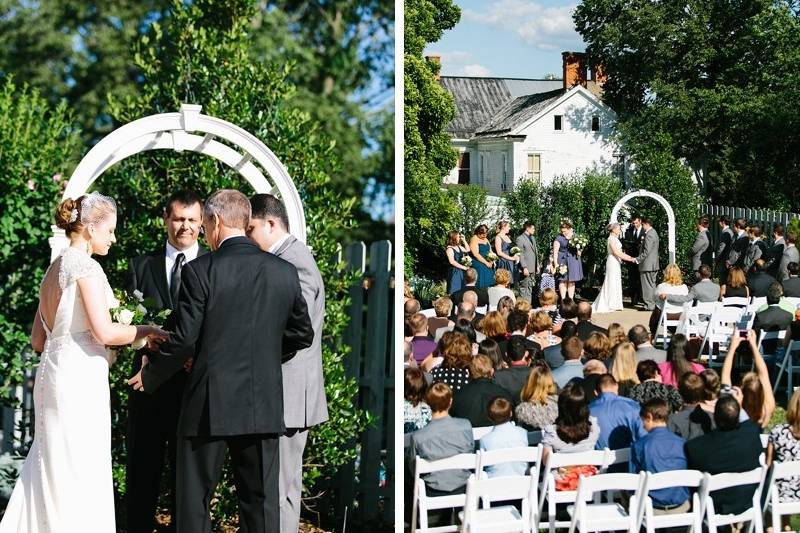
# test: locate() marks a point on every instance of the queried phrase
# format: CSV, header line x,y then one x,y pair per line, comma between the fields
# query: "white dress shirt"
x,y
278,243
189,254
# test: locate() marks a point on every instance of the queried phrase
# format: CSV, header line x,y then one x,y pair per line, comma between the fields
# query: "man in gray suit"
x,y
701,249
304,402
528,261
704,290
648,264
790,255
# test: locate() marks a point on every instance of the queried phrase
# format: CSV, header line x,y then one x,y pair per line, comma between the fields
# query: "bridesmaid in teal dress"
x,y
456,249
480,248
502,248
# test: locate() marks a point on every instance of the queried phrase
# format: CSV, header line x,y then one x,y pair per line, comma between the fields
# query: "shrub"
x,y
472,207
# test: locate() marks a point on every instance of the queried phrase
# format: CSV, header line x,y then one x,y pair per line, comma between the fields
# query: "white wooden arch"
x,y
668,208
179,132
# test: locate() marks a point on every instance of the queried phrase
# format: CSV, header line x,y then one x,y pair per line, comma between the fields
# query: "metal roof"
x,y
518,111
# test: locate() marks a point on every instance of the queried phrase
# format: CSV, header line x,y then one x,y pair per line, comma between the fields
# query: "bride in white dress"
x,y
65,484
610,297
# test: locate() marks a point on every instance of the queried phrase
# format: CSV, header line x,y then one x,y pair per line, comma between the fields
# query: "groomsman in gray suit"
x,y
648,264
790,255
701,249
528,261
304,402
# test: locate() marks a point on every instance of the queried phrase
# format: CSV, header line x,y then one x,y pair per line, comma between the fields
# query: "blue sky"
x,y
508,38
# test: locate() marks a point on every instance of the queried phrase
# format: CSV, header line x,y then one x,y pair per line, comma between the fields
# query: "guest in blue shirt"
x,y
504,434
660,451
571,350
617,416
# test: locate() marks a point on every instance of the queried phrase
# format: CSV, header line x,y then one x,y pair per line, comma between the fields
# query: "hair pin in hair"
x,y
73,216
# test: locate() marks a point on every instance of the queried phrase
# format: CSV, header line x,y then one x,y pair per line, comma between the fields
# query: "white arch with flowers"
x,y
178,131
668,208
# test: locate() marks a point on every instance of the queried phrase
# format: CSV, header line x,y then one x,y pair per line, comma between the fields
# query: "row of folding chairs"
x,y
430,313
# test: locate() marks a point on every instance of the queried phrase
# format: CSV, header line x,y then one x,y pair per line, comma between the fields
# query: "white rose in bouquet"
x,y
125,316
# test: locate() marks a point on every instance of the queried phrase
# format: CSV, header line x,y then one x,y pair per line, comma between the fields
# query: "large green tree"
x,y
429,211
713,81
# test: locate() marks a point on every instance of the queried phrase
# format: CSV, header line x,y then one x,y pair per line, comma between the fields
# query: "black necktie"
x,y
175,278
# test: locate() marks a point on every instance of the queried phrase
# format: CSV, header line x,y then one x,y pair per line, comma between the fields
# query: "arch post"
x,y
668,208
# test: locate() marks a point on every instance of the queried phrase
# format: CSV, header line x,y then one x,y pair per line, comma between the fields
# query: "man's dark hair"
x,y
647,369
647,220
726,413
266,205
703,221
704,271
774,293
657,408
756,229
572,348
466,328
569,309
777,229
605,381
636,216
500,411
184,197
517,320
470,275
791,237
692,388
793,268
740,223
568,329
638,335
527,224
516,348
724,220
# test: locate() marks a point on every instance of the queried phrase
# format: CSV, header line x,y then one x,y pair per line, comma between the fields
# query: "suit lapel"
x,y
285,245
158,268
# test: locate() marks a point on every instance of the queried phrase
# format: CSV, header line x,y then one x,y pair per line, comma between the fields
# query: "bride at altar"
x,y
610,297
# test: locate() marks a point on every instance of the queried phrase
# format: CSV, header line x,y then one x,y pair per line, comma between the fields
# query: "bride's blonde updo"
x,y
74,215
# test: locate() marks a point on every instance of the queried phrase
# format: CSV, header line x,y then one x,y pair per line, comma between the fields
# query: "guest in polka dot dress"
x,y
784,445
454,370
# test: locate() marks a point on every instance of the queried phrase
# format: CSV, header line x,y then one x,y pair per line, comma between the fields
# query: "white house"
x,y
509,129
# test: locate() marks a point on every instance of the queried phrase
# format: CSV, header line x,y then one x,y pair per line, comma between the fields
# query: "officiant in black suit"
x,y
153,419
240,315
632,243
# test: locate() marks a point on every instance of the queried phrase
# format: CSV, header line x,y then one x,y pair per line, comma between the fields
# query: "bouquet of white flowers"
x,y
562,270
491,257
466,261
579,241
515,250
135,309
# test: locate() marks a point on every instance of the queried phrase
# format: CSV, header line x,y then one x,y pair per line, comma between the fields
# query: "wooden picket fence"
x,y
766,218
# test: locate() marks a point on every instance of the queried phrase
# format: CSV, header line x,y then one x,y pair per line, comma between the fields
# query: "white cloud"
x,y
474,70
546,28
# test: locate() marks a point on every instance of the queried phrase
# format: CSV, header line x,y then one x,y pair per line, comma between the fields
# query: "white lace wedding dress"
x,y
610,297
65,484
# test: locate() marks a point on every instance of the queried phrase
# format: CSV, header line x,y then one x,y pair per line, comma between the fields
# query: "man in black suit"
x,y
241,313
791,285
153,419
632,243
731,447
585,326
759,281
773,318
741,243
723,249
470,279
514,377
472,400
775,252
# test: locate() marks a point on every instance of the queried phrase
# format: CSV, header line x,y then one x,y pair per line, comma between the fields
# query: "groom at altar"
x,y
528,261
153,419
648,264
632,242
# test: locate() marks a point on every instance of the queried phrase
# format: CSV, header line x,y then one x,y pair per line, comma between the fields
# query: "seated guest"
x,y
472,297
468,330
552,354
443,437
791,285
585,325
523,305
416,413
640,338
773,318
569,310
495,328
517,325
491,349
541,327
680,359
571,350
592,371
456,353
502,278
672,285
505,306
660,451
574,430
411,307
735,285
616,335
472,400
421,345
617,417
650,386
784,446
470,282
442,307
705,290
624,368
547,301
691,421
504,434
731,447
597,346
466,312
757,400
760,280
538,406
514,377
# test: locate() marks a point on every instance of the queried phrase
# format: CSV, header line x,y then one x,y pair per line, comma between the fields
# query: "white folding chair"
x,y
770,336
794,301
524,454
422,503
735,301
482,309
429,313
694,322
504,518
608,516
727,480
547,488
479,432
764,440
778,507
614,457
756,303
788,366
719,331
692,479
664,323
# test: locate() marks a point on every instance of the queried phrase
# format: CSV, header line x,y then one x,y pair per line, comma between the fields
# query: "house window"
x,y
595,123
535,167
557,122
463,168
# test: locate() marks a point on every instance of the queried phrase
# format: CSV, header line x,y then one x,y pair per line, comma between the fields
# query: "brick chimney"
x,y
438,60
598,75
574,69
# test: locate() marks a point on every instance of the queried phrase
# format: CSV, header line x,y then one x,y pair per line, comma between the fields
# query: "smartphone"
x,y
742,325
